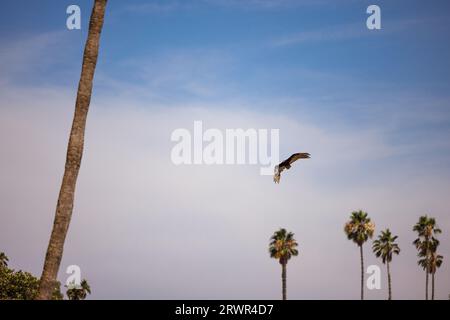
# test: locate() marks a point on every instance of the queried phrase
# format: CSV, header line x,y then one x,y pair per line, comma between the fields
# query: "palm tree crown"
x,y
426,229
79,293
359,228
435,258
385,246
283,246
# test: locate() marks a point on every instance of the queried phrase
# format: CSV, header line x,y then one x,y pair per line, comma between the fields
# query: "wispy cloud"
x,y
343,32
174,5
327,34
156,7
24,55
172,75
264,4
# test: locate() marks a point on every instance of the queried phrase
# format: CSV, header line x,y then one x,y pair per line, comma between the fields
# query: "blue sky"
x,y
373,107
318,51
312,59
411,48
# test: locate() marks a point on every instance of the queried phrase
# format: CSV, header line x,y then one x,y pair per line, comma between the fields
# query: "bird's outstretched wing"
x,y
297,156
286,164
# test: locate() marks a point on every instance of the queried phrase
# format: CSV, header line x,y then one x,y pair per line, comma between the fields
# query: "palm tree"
x,y
359,229
435,263
80,293
385,247
432,263
3,260
283,247
426,230
74,154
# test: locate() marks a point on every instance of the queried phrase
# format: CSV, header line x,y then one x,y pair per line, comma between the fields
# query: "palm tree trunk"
x,y
283,279
389,281
432,286
427,268
74,155
362,272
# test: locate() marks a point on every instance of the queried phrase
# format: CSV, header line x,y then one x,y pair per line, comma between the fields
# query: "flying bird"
x,y
286,164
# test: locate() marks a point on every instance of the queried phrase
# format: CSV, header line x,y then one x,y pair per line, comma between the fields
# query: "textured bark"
x,y
283,279
426,284
389,281
362,272
74,154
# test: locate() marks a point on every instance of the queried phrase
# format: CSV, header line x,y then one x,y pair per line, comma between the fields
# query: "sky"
x,y
371,106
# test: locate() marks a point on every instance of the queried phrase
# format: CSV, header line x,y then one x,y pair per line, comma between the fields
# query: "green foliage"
x,y
427,244
17,285
385,246
78,293
283,246
359,228
20,285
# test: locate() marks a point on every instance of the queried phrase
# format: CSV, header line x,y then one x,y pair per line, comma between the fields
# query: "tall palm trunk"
x,y
427,268
432,285
74,154
389,281
427,271
362,272
283,279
